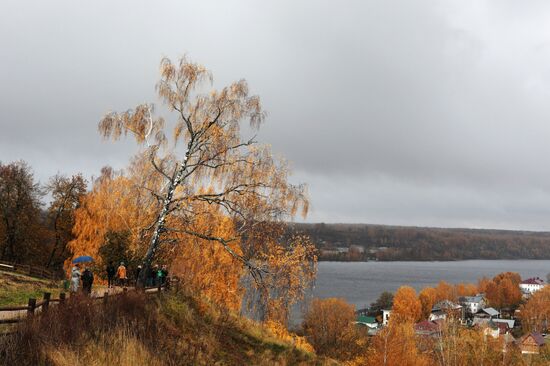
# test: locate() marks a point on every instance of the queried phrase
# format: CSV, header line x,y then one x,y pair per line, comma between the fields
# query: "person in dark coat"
x,y
110,274
164,271
151,275
87,281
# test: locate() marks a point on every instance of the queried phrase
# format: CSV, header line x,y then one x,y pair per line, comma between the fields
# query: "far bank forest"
x,y
361,242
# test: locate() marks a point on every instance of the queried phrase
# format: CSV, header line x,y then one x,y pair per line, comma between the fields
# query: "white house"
x,y
473,304
531,285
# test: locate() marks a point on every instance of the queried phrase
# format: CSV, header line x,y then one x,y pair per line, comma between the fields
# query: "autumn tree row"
x,y
32,231
500,292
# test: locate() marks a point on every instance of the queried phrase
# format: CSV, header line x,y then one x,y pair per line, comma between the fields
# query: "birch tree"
x,y
202,162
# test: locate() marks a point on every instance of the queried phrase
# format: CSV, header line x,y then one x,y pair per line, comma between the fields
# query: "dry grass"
x,y
133,330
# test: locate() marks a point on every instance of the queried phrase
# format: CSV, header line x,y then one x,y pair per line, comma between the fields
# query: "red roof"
x,y
533,281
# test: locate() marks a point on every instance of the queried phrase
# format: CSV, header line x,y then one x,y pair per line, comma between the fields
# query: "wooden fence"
x,y
35,271
43,305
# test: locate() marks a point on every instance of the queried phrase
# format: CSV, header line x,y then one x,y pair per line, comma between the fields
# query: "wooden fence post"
x,y
62,298
46,304
159,288
32,306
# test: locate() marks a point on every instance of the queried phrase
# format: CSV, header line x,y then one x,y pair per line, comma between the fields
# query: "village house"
x,y
368,321
472,304
491,327
531,285
531,343
445,308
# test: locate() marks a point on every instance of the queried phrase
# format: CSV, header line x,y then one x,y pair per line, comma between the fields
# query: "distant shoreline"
x,y
363,242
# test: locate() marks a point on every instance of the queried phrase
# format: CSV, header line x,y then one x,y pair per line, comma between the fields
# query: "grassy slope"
x,y
16,289
175,330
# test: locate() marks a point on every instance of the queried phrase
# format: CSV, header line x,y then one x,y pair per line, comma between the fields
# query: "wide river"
x,y
361,283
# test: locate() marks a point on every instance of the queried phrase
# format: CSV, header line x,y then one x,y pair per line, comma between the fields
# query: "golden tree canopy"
x,y
406,306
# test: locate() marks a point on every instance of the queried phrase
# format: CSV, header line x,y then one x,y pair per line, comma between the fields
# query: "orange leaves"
x,y
114,204
445,291
329,325
406,306
503,290
291,270
395,345
535,313
427,298
466,289
205,266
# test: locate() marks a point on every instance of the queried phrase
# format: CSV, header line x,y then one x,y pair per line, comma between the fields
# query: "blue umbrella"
x,y
83,259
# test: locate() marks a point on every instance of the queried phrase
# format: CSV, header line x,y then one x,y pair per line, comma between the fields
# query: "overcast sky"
x,y
427,113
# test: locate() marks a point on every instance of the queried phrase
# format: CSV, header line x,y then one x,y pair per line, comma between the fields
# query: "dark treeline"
x,y
33,231
362,242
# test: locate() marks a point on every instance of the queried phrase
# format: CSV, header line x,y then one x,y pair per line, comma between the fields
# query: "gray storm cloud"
x,y
431,113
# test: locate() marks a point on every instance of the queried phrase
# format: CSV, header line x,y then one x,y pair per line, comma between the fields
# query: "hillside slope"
x,y
134,330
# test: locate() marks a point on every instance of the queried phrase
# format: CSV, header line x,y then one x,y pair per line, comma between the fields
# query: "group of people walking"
x,y
120,272
86,276
155,276
116,277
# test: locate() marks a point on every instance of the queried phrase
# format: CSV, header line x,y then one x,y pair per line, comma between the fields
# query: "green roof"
x,y
366,319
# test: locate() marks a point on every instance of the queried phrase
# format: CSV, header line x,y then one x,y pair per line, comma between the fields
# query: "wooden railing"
x,y
27,269
33,305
